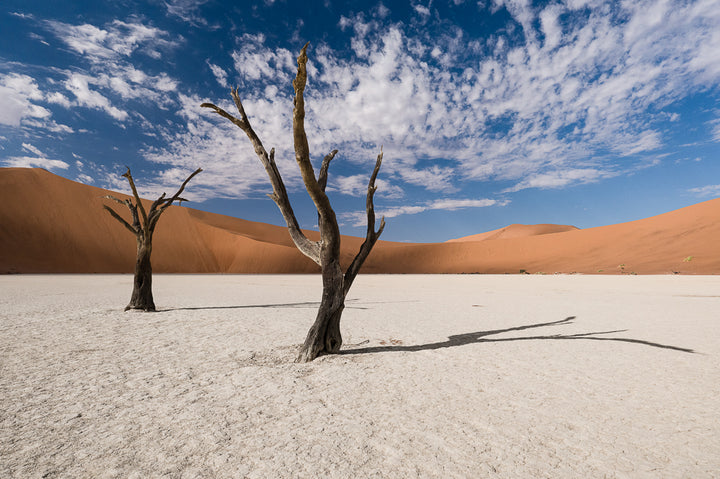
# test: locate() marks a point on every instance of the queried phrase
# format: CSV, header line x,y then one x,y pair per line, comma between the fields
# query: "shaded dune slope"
x,y
49,224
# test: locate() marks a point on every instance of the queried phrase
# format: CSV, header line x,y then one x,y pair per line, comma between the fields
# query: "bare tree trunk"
x,y
142,297
142,225
324,335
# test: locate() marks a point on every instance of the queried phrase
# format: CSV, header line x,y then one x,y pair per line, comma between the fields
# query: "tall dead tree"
x,y
324,336
143,227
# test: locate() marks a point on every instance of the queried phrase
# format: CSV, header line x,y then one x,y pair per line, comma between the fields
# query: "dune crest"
x,y
49,224
516,231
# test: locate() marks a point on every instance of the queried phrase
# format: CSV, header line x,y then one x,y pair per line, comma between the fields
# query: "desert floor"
x,y
440,376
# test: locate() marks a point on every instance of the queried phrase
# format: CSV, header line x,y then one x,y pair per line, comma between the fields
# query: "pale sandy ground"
x,y
444,376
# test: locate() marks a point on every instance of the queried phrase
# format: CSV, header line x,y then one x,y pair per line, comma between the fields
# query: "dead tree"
x,y
324,335
143,227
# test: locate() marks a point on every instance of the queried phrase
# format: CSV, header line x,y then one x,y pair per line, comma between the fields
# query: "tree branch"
x,y
116,200
371,236
120,218
329,231
166,202
155,204
311,249
225,114
323,175
138,202
182,187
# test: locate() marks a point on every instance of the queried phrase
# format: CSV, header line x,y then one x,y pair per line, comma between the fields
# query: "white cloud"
x,y
456,204
49,125
550,27
422,10
34,162
110,52
577,97
32,149
186,10
220,75
118,39
447,204
561,178
78,85
59,99
85,179
230,167
706,191
564,104
164,83
253,61
17,94
357,185
381,10
84,39
715,129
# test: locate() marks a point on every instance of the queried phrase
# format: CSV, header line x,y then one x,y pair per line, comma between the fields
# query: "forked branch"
x,y
164,203
146,228
138,203
302,150
311,249
119,218
323,175
371,236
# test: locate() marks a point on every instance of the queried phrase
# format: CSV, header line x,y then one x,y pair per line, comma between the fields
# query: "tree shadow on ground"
x,y
307,304
349,304
481,337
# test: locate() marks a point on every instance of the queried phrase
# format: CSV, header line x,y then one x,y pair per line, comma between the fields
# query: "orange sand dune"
x,y
516,231
50,225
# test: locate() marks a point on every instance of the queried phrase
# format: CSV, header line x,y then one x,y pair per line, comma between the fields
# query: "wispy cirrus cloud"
x,y
112,77
576,97
359,218
706,191
715,129
78,85
115,40
34,162
220,75
560,100
187,10
39,160
20,96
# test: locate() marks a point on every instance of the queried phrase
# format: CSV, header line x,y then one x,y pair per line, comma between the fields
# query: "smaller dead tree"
x,y
143,227
324,335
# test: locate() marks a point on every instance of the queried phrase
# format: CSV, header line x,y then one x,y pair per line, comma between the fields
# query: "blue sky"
x,y
489,112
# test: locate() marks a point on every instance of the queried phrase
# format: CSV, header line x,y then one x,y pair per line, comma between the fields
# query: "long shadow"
x,y
307,304
479,337
247,306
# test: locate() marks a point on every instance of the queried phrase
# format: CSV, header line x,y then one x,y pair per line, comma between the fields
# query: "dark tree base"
x,y
324,336
147,309
142,297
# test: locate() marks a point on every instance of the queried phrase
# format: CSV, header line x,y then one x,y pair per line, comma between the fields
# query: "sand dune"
x,y
51,225
516,231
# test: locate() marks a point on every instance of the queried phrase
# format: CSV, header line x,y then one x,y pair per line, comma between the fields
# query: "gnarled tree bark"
x,y
324,336
143,227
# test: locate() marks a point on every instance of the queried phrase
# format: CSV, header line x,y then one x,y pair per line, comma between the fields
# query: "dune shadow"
x,y
481,337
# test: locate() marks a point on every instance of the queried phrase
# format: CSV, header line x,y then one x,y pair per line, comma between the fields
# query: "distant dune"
x,y
49,224
516,231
